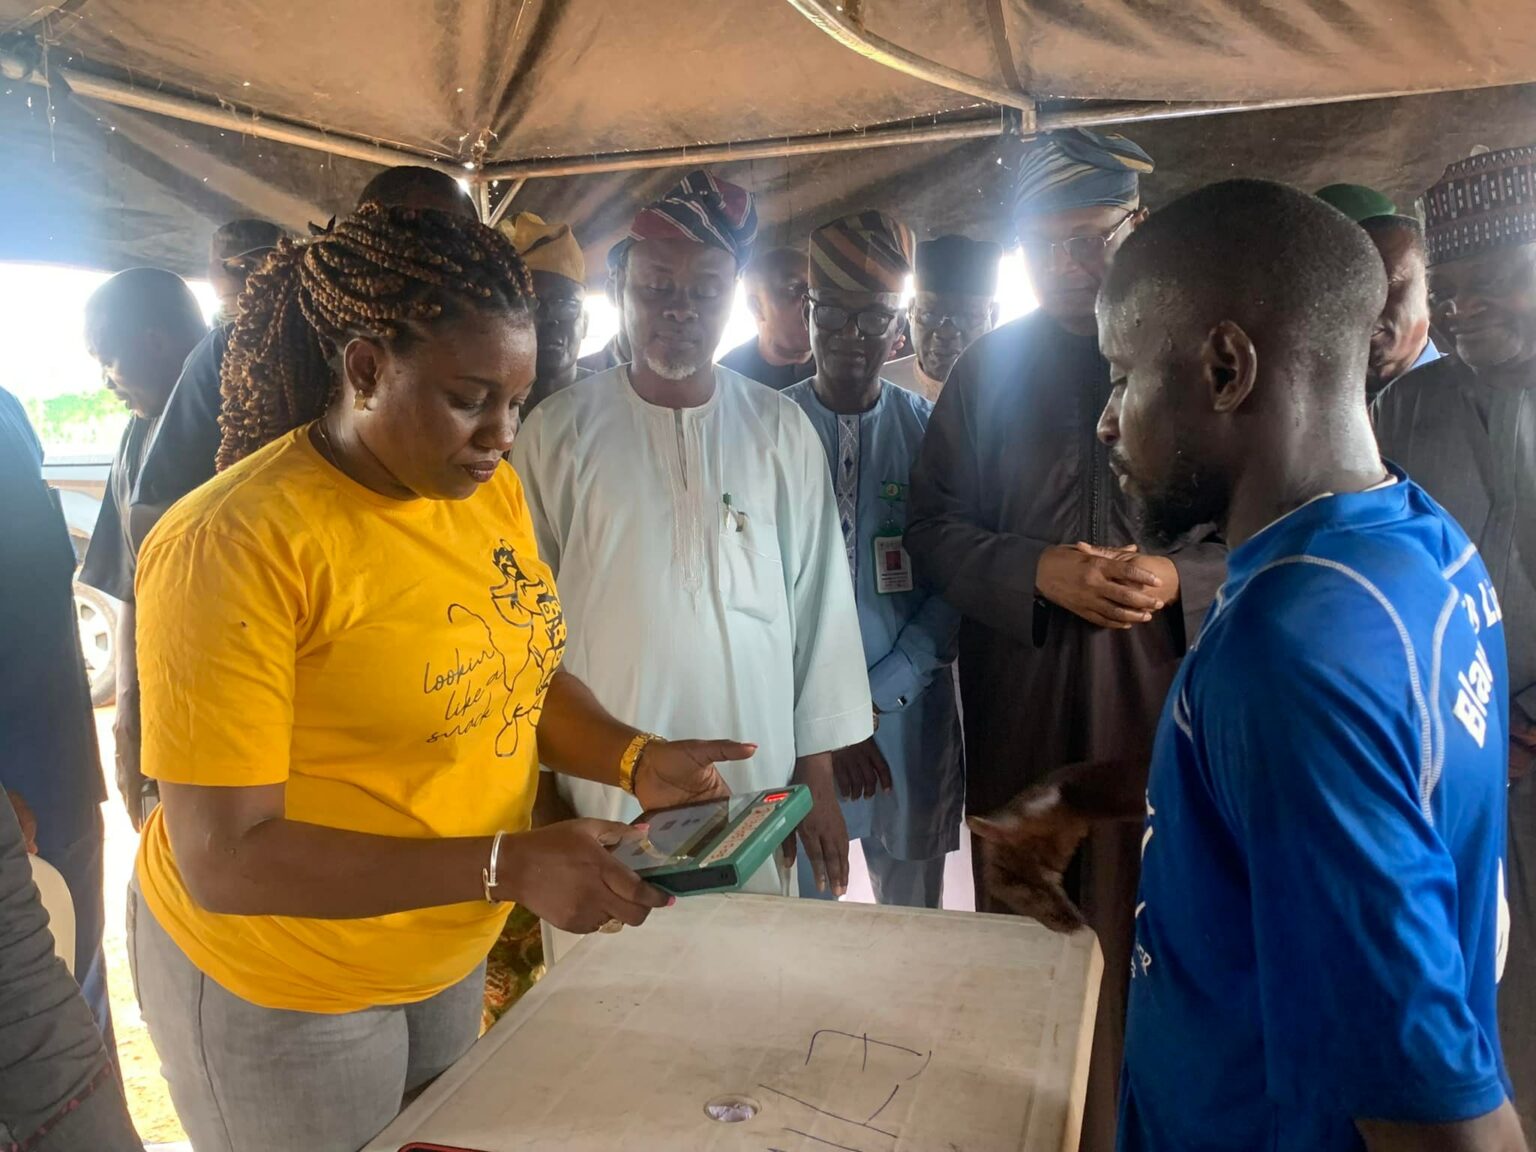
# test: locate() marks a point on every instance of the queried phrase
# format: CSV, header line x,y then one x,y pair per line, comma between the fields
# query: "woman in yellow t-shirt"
x,y
350,664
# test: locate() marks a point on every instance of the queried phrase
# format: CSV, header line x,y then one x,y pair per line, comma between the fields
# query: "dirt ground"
x,y
148,1099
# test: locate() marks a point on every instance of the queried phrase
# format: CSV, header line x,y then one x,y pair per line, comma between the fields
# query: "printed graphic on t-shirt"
x,y
526,602
502,678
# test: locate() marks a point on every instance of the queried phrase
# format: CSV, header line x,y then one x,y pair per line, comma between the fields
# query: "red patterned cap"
x,y
1482,203
702,208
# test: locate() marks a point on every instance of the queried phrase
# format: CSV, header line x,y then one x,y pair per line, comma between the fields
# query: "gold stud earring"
x,y
360,402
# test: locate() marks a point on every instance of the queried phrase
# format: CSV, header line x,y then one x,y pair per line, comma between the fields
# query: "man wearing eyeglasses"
x,y
903,788
780,354
1072,634
955,302
559,280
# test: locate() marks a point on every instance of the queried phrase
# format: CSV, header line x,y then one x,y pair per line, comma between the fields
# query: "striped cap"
x,y
865,252
1485,202
1078,168
702,208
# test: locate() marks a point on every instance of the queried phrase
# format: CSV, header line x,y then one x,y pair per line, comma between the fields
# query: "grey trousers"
x,y
894,882
251,1079
904,883
58,1090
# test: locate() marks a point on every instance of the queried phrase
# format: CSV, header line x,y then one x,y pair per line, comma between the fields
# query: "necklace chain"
x,y
325,443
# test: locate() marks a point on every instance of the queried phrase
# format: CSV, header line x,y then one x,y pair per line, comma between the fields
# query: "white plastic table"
x,y
848,1027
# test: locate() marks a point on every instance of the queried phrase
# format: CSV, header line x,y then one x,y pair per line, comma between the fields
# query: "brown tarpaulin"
x,y
481,79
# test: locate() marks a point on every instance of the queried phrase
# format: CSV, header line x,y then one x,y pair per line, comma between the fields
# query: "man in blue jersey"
x,y
1316,948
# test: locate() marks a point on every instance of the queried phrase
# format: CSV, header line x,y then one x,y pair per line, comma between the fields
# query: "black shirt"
x,y
746,359
109,561
181,455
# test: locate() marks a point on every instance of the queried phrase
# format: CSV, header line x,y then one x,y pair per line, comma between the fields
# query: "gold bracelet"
x,y
631,759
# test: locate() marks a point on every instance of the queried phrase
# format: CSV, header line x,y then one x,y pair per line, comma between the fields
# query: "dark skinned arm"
x,y
240,855
1044,826
127,738
1498,1131
824,833
578,737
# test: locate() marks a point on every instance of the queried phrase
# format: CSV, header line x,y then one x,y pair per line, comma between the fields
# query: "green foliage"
x,y
77,422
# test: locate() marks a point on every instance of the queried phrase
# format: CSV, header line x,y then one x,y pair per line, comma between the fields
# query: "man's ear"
x,y
1138,218
581,326
1231,366
363,364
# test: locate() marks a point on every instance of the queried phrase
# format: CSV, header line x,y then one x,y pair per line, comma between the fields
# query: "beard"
x,y
674,368
1192,495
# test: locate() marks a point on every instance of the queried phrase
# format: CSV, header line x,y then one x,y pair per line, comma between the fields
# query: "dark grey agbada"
x,y
1011,466
1472,446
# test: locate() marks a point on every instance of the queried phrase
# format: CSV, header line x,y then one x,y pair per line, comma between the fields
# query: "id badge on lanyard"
x,y
893,567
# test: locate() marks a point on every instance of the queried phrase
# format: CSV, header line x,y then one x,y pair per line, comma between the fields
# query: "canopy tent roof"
x,y
484,86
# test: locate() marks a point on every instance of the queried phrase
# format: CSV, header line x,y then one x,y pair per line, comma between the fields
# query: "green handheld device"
x,y
715,846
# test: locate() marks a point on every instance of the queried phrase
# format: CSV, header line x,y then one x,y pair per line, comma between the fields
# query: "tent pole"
x,y
975,129
1008,120
1134,111
123,95
841,21
500,211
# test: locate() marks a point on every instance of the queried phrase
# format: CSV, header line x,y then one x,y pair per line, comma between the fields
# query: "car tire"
x,y
96,617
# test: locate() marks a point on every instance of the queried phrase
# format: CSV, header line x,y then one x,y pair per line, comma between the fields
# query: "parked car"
x,y
81,482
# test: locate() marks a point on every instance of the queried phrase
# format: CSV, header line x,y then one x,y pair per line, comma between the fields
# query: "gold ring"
x,y
612,926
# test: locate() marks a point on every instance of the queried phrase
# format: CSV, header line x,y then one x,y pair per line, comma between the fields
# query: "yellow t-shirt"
x,y
387,660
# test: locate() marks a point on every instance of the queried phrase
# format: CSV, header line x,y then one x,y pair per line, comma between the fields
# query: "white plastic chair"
x,y
60,907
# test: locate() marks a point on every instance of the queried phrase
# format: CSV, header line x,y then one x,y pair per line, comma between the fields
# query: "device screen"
x,y
676,836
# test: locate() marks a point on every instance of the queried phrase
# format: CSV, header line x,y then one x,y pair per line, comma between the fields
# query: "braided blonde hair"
x,y
384,273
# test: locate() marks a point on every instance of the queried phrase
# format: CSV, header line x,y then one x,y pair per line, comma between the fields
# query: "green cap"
x,y
1357,201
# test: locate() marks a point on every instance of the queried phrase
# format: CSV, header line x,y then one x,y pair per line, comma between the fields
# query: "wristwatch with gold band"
x,y
631,759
